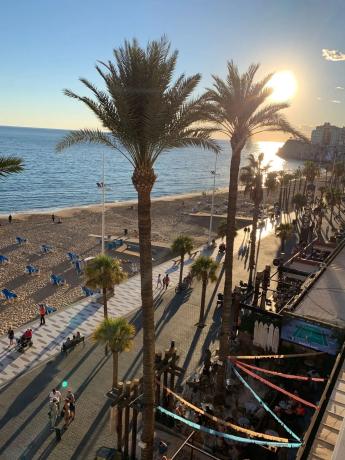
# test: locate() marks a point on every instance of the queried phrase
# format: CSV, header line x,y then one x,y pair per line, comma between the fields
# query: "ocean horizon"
x,y
53,181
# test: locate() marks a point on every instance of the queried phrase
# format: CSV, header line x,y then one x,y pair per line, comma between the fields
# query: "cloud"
x,y
333,55
340,87
335,101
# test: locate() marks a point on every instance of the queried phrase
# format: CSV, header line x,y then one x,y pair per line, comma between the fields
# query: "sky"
x,y
46,45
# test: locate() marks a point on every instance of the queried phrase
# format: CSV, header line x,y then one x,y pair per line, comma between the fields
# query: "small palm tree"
x,y
118,335
104,272
333,198
204,269
239,112
10,165
181,246
299,201
271,182
311,171
252,176
284,231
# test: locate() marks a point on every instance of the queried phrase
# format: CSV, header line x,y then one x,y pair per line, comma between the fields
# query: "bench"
x,y
67,347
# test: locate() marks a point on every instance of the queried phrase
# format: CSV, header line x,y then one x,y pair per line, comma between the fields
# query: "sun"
x,y
283,86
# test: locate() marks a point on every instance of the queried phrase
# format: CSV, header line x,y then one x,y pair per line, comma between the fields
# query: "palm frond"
x,y
10,165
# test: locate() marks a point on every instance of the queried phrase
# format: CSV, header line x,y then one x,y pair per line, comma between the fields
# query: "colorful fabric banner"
x,y
275,387
281,374
299,355
264,405
231,437
223,422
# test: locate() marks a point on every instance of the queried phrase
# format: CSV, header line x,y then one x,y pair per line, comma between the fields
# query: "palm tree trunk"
x,y
253,243
181,269
227,315
293,191
143,180
115,368
202,303
105,303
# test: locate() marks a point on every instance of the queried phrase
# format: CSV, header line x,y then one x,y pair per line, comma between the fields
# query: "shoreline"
x,y
68,211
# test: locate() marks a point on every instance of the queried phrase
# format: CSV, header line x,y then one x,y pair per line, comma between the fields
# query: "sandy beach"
x,y
171,216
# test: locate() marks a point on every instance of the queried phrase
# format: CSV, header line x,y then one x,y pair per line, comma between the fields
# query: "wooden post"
x,y
257,288
134,419
127,409
165,379
119,419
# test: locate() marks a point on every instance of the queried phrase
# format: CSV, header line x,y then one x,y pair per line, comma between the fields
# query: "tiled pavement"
x,y
84,316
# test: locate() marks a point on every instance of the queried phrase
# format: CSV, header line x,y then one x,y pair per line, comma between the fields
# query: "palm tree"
x,y
252,175
310,170
299,201
10,165
284,231
239,114
104,272
271,182
295,177
288,178
181,246
145,113
117,334
204,269
333,197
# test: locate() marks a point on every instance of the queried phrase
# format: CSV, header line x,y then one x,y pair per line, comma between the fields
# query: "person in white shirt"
x,y
55,394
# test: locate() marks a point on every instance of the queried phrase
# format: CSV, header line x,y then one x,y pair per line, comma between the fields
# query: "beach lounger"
x,y
72,257
20,240
87,291
3,259
45,248
31,269
9,295
57,280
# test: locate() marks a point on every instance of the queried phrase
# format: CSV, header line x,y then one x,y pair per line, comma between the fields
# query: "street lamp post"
x,y
214,173
101,185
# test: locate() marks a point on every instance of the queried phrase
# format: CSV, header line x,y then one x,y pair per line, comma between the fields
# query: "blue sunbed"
x,y
9,295
3,259
20,240
46,248
57,280
31,269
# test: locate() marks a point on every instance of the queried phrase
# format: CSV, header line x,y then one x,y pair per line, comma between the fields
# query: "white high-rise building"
x,y
328,134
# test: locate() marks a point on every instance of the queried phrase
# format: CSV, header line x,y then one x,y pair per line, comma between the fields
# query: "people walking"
x,y
66,413
55,394
10,219
53,218
159,281
53,412
166,281
42,310
71,400
10,335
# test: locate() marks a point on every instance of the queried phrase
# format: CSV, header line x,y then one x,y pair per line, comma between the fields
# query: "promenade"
x,y
24,399
85,315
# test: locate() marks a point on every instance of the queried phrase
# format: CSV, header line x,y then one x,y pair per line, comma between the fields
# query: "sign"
x,y
312,335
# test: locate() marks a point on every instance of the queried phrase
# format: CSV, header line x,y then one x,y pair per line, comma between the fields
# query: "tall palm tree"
x,y
104,272
117,334
296,175
252,176
146,113
239,112
204,269
181,246
332,197
288,178
311,171
271,182
284,231
10,165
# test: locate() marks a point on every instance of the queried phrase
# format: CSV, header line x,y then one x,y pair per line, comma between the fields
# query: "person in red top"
x,y
42,314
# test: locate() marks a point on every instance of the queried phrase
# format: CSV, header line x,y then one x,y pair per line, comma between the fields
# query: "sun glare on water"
x,y
283,86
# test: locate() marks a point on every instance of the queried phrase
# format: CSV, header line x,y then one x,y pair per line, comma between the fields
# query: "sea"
x,y
52,181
